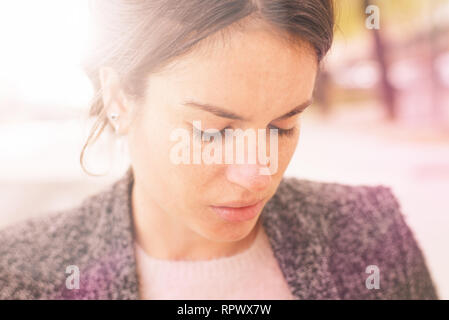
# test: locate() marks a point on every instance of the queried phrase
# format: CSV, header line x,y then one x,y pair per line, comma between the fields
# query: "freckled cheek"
x,y
196,176
199,177
193,185
286,149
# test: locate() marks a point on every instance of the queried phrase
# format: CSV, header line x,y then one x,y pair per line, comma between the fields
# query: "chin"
x,y
229,232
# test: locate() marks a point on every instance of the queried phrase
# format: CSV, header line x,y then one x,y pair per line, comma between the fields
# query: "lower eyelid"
x,y
280,129
284,132
201,133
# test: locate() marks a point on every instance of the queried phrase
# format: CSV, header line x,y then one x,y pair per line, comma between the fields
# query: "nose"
x,y
248,176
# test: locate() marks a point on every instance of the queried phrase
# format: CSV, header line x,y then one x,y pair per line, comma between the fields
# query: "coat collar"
x,y
297,242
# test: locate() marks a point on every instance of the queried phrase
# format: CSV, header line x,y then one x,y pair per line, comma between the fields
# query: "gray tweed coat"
x,y
323,235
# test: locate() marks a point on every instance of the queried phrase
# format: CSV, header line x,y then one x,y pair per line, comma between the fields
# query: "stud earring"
x,y
113,116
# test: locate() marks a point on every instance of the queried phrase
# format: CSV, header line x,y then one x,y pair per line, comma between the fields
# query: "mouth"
x,y
238,211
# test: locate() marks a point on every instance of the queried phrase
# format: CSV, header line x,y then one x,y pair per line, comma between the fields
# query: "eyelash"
x,y
281,132
284,132
200,133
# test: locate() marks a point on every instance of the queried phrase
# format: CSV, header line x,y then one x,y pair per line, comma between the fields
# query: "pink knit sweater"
x,y
251,274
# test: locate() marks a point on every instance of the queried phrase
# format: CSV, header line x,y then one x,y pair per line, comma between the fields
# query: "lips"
x,y
238,204
238,211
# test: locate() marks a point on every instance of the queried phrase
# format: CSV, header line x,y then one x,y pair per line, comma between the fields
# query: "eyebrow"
x,y
223,113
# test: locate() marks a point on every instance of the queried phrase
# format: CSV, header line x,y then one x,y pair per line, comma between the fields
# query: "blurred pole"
x,y
321,94
436,87
388,92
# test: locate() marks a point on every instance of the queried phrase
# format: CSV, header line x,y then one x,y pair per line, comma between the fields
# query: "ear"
x,y
114,100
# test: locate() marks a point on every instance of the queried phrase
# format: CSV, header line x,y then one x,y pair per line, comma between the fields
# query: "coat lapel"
x,y
110,271
298,243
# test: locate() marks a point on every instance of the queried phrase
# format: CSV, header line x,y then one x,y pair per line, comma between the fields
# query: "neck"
x,y
164,237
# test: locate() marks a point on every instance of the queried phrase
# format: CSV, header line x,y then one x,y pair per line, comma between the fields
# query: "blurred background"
x,y
381,114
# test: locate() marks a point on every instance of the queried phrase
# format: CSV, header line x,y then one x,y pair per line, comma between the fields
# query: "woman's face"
x,y
257,79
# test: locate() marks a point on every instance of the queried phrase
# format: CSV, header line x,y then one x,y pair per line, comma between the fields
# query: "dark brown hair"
x,y
139,37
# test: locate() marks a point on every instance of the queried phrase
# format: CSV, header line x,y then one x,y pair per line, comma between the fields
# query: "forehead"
x,y
244,68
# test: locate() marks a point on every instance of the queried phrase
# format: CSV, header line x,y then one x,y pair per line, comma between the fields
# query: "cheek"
x,y
286,148
150,147
147,144
195,181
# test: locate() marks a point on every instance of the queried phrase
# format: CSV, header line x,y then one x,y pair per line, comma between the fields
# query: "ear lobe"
x,y
118,119
125,108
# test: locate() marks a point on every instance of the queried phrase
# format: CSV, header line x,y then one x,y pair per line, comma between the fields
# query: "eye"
x,y
204,135
283,132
